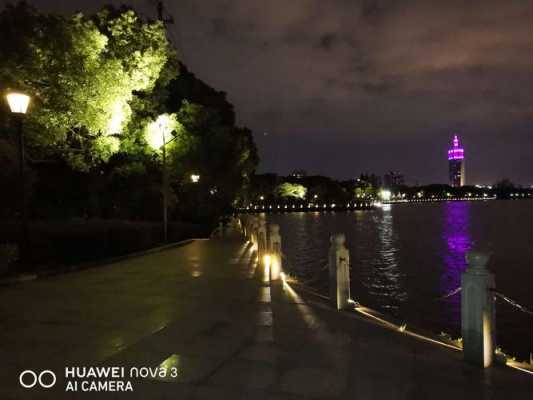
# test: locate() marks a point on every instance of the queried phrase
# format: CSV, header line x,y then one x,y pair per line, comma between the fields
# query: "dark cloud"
x,y
367,77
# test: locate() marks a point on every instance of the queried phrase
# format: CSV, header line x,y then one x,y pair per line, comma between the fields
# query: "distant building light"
x,y
385,195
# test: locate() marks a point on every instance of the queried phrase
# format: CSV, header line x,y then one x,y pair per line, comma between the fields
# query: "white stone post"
x,y
339,272
255,228
262,245
275,252
246,227
241,227
478,311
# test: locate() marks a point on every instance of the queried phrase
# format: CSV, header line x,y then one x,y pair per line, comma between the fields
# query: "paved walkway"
x,y
207,309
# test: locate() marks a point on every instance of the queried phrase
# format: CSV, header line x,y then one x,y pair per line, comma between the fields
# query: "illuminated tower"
x,y
456,164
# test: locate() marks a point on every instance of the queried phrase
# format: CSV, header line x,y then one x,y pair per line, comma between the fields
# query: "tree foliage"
x,y
104,88
224,155
83,73
291,190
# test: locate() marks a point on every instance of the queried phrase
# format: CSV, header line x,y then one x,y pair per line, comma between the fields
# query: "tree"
x,y
291,190
83,73
504,188
364,190
100,85
186,86
223,155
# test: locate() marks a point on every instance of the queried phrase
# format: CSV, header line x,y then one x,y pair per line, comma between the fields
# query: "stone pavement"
x,y
209,310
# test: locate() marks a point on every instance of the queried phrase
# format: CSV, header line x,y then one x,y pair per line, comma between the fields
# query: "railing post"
x,y
339,272
242,227
261,239
478,311
256,232
246,227
251,222
275,252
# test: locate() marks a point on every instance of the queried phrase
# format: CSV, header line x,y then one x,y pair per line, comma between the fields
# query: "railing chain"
x,y
513,303
452,293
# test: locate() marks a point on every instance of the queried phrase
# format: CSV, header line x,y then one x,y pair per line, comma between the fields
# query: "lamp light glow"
x,y
158,132
18,102
195,178
385,195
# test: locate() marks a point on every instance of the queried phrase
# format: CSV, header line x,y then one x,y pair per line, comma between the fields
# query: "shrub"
x,y
9,253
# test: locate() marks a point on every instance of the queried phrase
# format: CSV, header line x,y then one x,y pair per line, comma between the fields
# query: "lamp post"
x,y
157,139
164,128
165,187
18,104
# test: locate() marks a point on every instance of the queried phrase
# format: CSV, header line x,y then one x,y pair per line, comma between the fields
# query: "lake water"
x,y
405,256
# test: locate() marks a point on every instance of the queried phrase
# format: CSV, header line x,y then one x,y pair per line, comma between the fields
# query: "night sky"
x,y
343,87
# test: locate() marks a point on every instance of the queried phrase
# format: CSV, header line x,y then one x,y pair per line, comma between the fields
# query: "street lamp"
x,y
195,178
18,104
158,132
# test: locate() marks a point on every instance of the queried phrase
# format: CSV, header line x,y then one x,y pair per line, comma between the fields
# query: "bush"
x,y
9,253
54,244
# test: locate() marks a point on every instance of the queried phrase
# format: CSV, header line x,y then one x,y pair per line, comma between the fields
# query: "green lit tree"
x,y
84,74
291,191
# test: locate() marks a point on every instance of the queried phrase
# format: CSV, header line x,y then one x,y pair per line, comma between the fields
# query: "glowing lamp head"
x,y
195,178
158,131
18,102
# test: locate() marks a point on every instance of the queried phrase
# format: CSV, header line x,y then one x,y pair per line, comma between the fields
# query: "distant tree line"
x,y
271,188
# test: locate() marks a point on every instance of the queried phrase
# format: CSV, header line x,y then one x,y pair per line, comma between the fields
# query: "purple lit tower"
x,y
456,164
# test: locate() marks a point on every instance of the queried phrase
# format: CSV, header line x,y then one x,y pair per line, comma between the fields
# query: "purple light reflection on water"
x,y
458,241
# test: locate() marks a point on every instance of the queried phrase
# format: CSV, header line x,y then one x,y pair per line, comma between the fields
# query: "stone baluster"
x,y
339,272
254,229
244,227
250,222
275,252
262,245
478,311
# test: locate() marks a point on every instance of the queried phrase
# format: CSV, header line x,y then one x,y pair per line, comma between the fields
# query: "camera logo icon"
x,y
29,379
